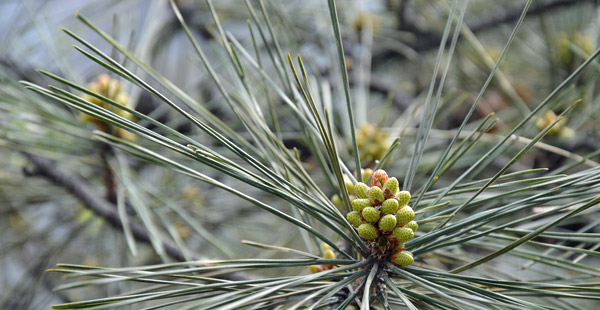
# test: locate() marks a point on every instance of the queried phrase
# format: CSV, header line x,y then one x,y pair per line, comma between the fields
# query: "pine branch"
x,y
428,40
79,188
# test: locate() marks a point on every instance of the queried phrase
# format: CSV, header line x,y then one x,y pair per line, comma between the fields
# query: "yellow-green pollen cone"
x,y
402,259
368,231
361,190
403,234
349,185
405,215
360,204
354,218
111,89
370,214
412,225
391,187
387,222
389,206
403,198
366,173
382,217
329,254
376,196
337,201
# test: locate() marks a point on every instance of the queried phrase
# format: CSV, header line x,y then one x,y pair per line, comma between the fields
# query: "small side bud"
x,y
402,234
402,259
366,173
412,225
329,254
349,185
337,201
325,246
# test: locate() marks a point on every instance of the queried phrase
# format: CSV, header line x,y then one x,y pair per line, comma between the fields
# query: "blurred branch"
x,y
77,187
427,40
25,288
512,13
382,86
10,66
400,99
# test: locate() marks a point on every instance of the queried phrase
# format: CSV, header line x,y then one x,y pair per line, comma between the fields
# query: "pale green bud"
x,y
376,196
405,215
368,231
370,214
387,222
390,206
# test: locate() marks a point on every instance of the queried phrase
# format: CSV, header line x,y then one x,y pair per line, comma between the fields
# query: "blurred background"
x,y
390,47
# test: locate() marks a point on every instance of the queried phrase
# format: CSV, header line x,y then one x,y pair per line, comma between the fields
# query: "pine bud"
x,y
354,218
122,99
103,81
376,196
329,254
402,234
370,214
125,114
402,259
126,135
361,190
315,268
405,215
368,231
390,206
403,198
412,225
337,201
349,186
359,204
366,173
379,178
387,222
113,89
566,133
390,188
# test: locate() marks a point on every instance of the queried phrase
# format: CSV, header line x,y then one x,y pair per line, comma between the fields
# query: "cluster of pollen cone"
x,y
381,216
111,89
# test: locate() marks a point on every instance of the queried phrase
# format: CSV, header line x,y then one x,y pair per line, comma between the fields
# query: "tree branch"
x,y
427,40
78,187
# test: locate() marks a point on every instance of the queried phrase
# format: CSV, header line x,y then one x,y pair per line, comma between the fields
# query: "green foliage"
x,y
481,229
